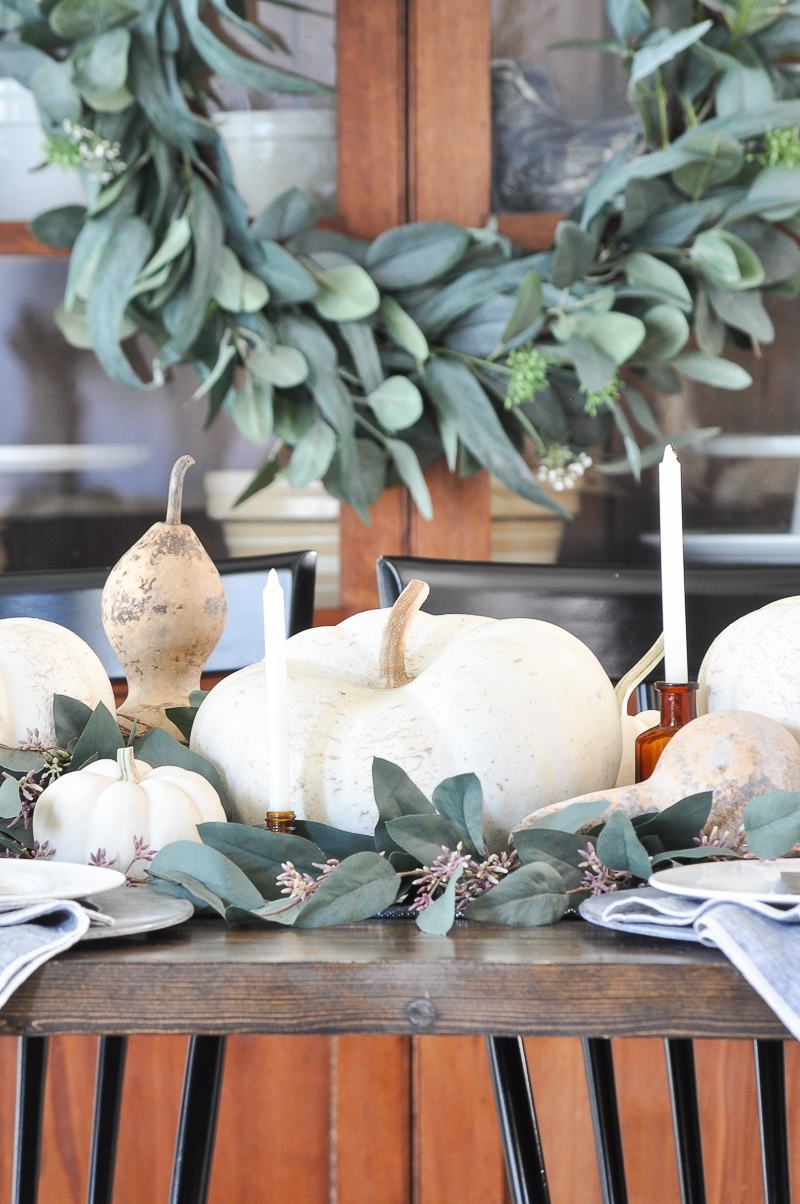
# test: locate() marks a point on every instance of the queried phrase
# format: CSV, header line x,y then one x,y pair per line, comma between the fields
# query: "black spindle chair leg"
x,y
599,1060
686,1119
516,1115
194,1149
111,1053
771,1079
31,1075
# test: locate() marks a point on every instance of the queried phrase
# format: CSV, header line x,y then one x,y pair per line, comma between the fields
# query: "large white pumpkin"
x,y
100,813
521,703
754,665
37,660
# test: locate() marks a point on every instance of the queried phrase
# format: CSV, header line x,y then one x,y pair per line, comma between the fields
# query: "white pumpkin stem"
x,y
127,764
627,684
175,497
392,655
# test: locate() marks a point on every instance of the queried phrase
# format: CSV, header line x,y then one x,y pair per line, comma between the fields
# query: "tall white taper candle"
x,y
275,666
673,599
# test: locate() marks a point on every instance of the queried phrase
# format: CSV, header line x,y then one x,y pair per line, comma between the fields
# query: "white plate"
x,y
23,881
136,910
734,881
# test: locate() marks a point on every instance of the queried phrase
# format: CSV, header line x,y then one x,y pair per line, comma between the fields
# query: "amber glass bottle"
x,y
280,821
678,707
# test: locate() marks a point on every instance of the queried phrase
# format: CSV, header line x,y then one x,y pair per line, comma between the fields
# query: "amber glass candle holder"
x,y
280,821
678,707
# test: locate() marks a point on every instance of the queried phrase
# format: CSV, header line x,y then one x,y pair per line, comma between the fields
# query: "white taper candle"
x,y
673,598
277,720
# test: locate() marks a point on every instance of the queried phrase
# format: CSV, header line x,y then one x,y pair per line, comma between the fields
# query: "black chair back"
x,y
615,611
71,597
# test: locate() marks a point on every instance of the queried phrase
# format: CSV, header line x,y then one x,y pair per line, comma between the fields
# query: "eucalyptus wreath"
x,y
361,363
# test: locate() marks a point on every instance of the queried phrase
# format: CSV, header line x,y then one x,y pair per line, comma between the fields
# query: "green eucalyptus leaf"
x,y
408,467
527,307
629,18
73,19
10,804
459,398
404,330
364,350
395,796
651,57
227,290
594,367
719,158
346,293
647,271
251,409
288,214
360,887
103,69
56,95
20,61
708,328
425,836
575,252
207,235
667,333
654,452
70,717
100,737
565,846
744,311
255,294
157,747
396,402
180,885
727,260
743,89
438,308
438,918
264,477
216,872
617,335
58,228
165,106
281,366
312,455
678,825
641,410
530,897
411,255
260,854
183,718
619,848
22,761
772,823
460,800
176,240
712,370
232,65
696,853
288,281
121,261
333,841
774,194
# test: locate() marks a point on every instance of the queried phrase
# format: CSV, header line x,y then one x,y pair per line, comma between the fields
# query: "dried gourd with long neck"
x,y
164,611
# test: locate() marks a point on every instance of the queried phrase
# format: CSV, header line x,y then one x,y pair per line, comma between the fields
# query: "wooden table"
x,y
571,979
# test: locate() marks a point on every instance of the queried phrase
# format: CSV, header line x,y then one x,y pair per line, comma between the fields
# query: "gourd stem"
x,y
127,764
175,497
392,655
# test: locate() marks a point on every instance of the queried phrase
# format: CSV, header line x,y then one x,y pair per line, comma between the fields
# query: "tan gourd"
x,y
736,754
164,611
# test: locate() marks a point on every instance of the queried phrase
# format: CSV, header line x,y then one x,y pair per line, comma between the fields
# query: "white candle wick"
x,y
673,597
277,702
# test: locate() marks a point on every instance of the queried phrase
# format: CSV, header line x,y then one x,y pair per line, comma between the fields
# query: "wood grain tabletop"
x,y
388,977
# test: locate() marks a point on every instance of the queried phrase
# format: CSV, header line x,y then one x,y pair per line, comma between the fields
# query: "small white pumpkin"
x,y
521,703
37,660
112,812
754,665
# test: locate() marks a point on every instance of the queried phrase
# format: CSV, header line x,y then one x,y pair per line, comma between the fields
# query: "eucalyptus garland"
x,y
361,363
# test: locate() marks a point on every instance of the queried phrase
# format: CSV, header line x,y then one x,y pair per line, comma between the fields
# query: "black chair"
x,y
72,598
617,613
